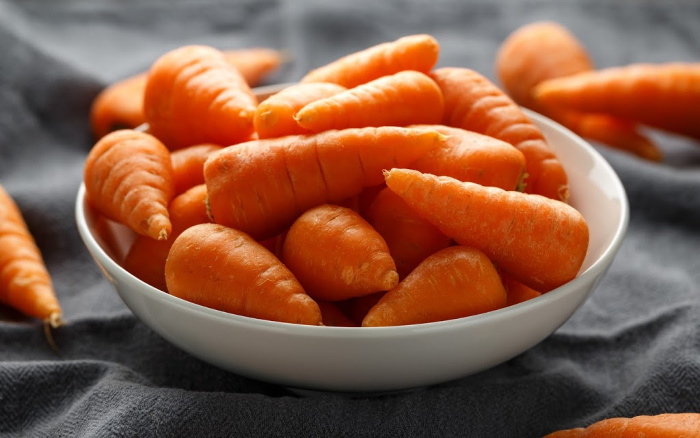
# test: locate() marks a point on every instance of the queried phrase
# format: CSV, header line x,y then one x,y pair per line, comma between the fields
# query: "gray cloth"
x,y
633,348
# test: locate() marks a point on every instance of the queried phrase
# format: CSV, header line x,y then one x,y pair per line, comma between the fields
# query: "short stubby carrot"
x,y
188,165
193,95
336,254
261,187
474,103
516,291
274,117
118,106
413,52
128,178
452,283
404,98
225,269
671,425
540,241
255,64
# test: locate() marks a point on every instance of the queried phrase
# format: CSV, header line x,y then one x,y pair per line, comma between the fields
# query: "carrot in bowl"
x,y
188,165
671,425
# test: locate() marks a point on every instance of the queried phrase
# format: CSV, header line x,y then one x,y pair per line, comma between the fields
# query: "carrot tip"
x,y
163,235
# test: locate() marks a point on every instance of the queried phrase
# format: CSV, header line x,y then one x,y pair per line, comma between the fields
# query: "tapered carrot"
x,y
516,291
539,241
225,269
474,103
192,84
413,52
668,425
401,99
452,283
260,187
128,178
274,117
25,282
188,165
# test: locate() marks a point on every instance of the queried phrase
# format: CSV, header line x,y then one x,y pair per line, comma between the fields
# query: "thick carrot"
x,y
401,99
539,241
358,264
193,95
274,117
128,178
413,52
516,291
255,64
452,283
25,282
261,187
188,165
671,425
474,103
118,106
225,269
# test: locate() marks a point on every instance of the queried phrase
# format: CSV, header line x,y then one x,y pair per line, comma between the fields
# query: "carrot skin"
x,y
188,166
118,106
683,424
255,64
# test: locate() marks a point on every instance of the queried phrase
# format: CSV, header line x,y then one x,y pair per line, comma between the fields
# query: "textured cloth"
x,y
633,348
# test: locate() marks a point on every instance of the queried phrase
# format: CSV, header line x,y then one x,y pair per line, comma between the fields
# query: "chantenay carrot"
x,y
404,98
516,291
540,241
188,165
25,282
452,283
666,425
225,269
128,178
261,187
418,52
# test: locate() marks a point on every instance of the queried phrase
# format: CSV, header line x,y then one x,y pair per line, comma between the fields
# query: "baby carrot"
x,y
224,269
256,63
474,103
128,178
539,241
274,117
188,165
516,291
261,187
413,52
671,425
452,283
401,99
358,264
25,282
118,106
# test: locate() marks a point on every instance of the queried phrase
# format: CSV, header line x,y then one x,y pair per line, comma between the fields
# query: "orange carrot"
x,y
356,308
118,106
192,84
671,425
188,165
255,64
274,117
128,178
516,291
474,103
224,269
359,264
261,187
452,283
413,52
333,316
401,99
539,241
25,282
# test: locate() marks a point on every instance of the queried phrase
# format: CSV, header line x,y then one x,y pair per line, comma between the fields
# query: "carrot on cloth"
x,y
336,254
25,282
413,52
274,117
516,291
404,98
193,95
188,165
671,425
474,103
453,283
225,269
261,187
540,241
129,179
333,316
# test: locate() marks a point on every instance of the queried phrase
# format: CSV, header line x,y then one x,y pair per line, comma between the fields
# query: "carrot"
x,y
333,316
409,237
225,269
128,178
474,103
192,84
539,241
401,99
255,64
664,96
452,283
516,291
359,264
274,117
25,282
356,308
413,52
261,187
188,165
671,425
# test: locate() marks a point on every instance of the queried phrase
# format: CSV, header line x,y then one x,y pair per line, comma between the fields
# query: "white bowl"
x,y
357,359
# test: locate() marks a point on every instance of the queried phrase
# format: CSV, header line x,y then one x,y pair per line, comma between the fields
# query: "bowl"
x,y
369,359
